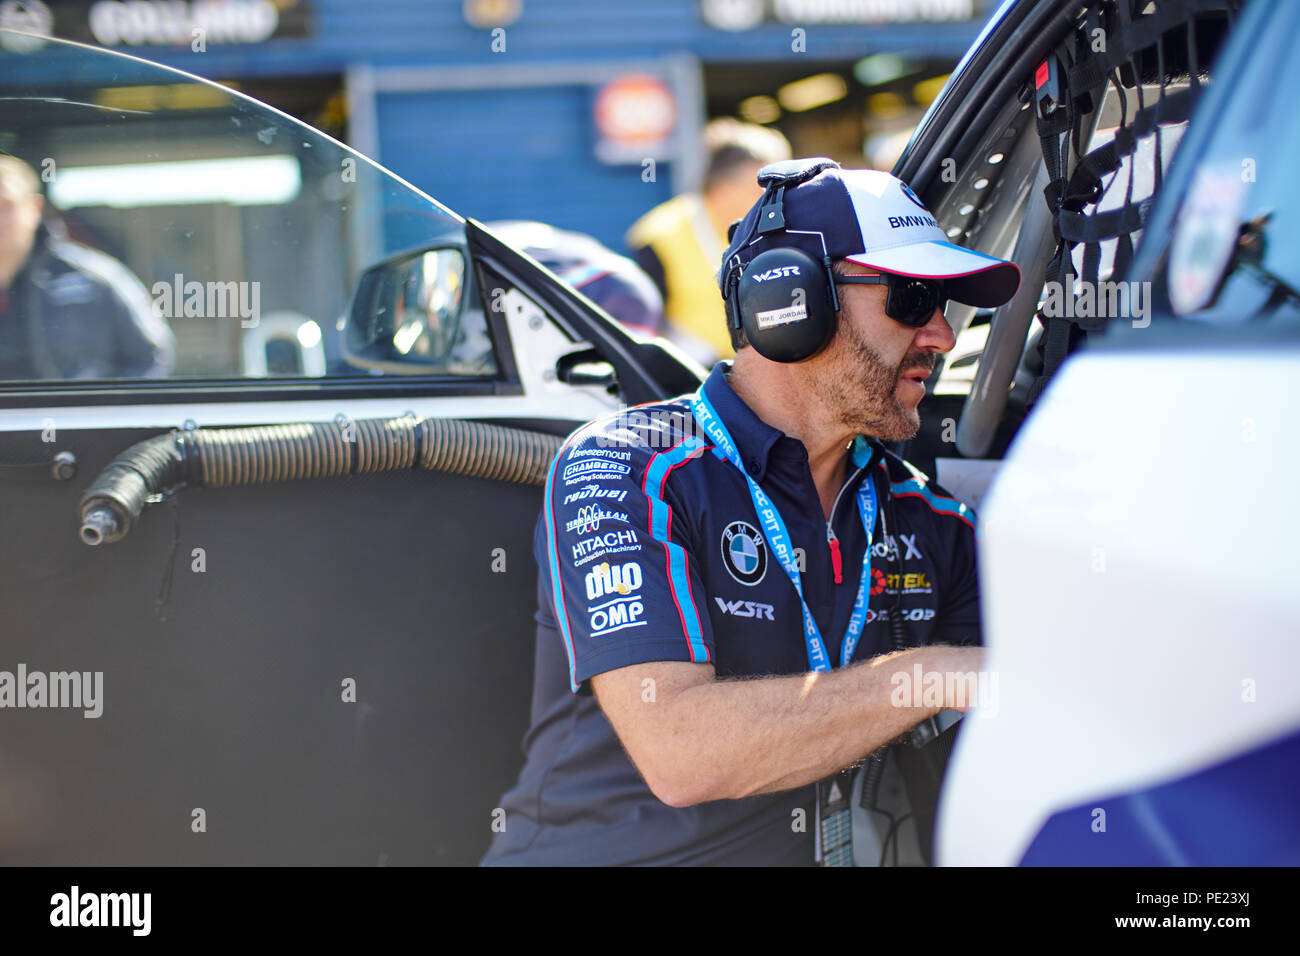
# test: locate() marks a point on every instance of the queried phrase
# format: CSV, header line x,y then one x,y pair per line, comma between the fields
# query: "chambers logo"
x,y
593,469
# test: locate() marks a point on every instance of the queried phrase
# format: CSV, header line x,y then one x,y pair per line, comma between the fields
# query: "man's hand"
x,y
695,738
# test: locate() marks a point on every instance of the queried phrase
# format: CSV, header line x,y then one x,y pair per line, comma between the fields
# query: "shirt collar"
x,y
753,437
756,441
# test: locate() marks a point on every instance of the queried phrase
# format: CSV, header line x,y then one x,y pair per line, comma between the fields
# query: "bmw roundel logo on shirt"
x,y
744,553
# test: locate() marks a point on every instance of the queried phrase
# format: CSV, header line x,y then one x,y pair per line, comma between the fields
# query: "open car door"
x,y
296,628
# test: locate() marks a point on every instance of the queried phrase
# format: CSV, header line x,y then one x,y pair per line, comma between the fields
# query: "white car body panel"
x,y
1138,559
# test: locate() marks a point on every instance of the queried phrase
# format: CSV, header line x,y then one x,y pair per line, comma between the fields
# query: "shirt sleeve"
x,y
622,580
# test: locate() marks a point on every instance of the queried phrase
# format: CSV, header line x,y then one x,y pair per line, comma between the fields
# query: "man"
x,y
705,569
679,243
68,311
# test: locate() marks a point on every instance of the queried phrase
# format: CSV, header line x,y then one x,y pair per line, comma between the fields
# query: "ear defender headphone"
x,y
784,299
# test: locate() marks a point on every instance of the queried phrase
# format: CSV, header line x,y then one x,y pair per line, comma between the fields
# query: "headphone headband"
x,y
774,178
799,330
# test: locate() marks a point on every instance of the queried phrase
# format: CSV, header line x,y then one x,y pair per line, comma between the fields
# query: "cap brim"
x,y
970,277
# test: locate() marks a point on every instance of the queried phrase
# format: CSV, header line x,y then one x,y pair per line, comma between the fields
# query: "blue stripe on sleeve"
x,y
553,560
679,580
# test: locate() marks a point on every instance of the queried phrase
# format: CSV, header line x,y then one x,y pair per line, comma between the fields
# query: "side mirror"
x,y
407,311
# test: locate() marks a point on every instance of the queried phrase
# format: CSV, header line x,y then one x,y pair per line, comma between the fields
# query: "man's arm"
x,y
145,345
694,738
142,342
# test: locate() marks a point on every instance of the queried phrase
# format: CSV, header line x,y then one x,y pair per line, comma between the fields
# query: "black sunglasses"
x,y
911,301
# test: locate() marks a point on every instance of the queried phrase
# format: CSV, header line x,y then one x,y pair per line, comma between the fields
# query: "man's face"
x,y
732,198
873,371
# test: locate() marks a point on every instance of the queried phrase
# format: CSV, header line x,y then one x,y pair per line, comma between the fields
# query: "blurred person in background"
x,y
680,242
615,283
66,310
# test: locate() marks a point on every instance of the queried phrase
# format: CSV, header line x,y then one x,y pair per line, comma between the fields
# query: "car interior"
x,y
1128,85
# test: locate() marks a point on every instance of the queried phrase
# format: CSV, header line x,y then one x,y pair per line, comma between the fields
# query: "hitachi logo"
x,y
776,273
608,541
898,222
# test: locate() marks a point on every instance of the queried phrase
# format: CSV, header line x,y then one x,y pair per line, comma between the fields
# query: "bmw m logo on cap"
x,y
744,553
907,191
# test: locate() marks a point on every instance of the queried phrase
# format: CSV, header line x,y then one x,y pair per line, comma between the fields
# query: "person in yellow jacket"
x,y
680,242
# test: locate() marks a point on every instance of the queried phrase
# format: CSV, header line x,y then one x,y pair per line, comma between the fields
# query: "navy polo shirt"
x,y
649,549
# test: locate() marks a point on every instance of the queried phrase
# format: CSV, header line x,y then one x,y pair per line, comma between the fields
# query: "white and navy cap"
x,y
873,219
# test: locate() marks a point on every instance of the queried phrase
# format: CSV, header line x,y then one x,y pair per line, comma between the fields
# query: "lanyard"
x,y
779,539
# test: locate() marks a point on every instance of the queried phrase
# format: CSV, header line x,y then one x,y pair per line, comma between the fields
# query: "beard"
x,y
863,387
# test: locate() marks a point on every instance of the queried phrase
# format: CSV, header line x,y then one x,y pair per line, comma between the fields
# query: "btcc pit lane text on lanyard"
x,y
777,536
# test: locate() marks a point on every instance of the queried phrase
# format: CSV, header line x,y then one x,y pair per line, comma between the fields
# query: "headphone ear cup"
x,y
785,305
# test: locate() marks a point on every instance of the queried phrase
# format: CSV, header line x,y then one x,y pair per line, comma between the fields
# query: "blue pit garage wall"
x,y
518,141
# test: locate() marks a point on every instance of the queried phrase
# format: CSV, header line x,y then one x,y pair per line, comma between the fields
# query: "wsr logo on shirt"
x,y
745,609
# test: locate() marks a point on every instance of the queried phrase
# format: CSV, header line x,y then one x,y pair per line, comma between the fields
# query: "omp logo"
x,y
595,491
778,273
593,469
589,518
620,579
899,222
745,609
616,615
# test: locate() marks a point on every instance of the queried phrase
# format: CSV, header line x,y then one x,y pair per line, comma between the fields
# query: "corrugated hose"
x,y
217,458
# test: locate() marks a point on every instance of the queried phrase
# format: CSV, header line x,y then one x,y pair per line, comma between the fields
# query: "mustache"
x,y
918,362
